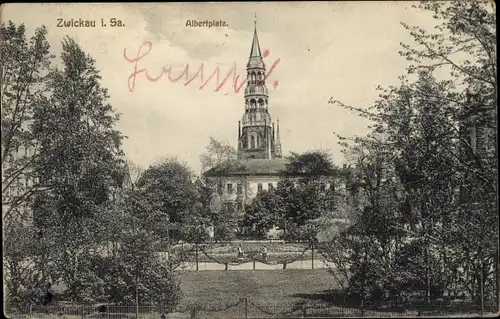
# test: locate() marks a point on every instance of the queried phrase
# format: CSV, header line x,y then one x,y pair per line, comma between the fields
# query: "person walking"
x,y
240,252
264,253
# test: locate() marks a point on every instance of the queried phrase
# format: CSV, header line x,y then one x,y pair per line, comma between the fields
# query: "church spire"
x,y
255,51
256,139
277,150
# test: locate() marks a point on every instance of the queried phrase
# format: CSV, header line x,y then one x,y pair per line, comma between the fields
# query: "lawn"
x,y
281,286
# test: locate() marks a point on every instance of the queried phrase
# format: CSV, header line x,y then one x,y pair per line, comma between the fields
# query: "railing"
x,y
224,256
246,308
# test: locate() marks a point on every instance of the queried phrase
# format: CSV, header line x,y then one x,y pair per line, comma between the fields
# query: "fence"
x,y
224,256
245,308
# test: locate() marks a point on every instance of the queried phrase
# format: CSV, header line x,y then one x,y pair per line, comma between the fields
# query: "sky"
x,y
321,51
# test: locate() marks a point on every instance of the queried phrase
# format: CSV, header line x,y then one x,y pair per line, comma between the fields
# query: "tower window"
x,y
259,187
239,188
229,188
252,142
261,103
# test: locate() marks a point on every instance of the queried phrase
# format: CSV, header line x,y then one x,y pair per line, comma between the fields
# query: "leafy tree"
x,y
169,183
219,159
301,199
445,180
137,271
310,166
260,216
80,160
218,152
24,65
298,200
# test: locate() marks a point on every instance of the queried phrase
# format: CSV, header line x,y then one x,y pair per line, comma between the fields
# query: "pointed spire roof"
x,y
278,132
255,52
277,151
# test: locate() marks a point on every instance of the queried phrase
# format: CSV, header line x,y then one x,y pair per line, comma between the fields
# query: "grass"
x,y
281,286
275,290
270,293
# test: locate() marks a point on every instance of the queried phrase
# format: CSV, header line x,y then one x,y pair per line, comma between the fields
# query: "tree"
x,y
24,65
301,200
169,183
443,173
136,273
311,166
80,160
260,215
298,201
218,152
220,159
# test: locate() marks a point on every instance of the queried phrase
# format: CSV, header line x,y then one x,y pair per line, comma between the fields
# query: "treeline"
x,y
426,224
75,211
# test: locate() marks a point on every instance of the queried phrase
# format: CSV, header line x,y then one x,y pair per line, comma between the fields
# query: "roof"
x,y
255,51
254,166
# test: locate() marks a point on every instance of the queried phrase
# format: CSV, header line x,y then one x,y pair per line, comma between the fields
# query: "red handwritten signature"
x,y
236,83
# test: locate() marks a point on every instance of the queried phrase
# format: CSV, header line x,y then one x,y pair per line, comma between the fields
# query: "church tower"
x,y
256,136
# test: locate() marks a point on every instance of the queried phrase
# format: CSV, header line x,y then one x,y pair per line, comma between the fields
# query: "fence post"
x,y
254,264
196,256
481,284
83,312
284,265
246,308
304,311
312,255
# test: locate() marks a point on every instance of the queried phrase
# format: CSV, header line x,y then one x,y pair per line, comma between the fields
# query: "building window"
x,y
322,187
259,187
229,188
240,205
239,188
219,188
471,138
270,186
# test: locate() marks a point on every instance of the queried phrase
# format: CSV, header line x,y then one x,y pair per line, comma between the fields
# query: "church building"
x,y
260,163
